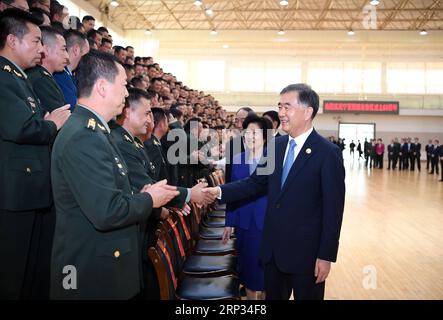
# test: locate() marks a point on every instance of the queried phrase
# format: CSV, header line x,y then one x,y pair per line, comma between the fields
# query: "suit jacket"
x,y
303,219
417,149
68,85
47,90
25,139
98,216
250,210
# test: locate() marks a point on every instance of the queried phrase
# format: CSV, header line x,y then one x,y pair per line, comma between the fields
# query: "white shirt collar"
x,y
301,139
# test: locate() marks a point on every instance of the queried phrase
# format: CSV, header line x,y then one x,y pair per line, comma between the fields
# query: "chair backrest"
x,y
163,260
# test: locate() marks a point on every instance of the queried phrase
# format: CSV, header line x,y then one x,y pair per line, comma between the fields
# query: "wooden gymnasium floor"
x,y
393,225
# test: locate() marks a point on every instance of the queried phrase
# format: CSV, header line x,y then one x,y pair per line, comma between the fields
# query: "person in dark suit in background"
x,y
391,150
416,155
403,155
359,149
306,194
435,156
428,153
367,151
275,120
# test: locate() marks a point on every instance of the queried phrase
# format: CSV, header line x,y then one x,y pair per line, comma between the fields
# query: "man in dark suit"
x,y
391,150
416,155
275,120
428,149
98,213
435,152
306,194
26,134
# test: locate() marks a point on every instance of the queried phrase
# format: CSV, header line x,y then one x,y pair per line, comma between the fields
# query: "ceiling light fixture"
x,y
374,2
147,31
351,32
114,3
213,32
284,2
423,33
198,3
281,32
209,12
225,46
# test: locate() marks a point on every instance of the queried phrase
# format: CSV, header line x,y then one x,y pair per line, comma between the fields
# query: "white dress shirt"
x,y
299,142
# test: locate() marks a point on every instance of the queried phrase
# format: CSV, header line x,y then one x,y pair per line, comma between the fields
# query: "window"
x,y
280,75
178,68
208,75
405,77
326,77
247,77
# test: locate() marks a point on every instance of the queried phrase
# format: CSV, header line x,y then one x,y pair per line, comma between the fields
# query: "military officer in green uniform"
x,y
25,138
96,252
135,121
154,146
54,59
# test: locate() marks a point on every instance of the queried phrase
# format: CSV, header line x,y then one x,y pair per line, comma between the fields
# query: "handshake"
x,y
161,193
202,195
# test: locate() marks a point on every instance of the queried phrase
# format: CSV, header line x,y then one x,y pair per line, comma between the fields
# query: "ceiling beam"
x,y
400,5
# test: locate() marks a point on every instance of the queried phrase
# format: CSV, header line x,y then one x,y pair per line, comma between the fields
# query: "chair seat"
x,y
220,206
225,287
214,222
211,233
204,246
207,265
217,214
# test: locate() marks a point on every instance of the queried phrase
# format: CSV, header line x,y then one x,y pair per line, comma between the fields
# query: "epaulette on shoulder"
x,y
91,124
9,69
46,73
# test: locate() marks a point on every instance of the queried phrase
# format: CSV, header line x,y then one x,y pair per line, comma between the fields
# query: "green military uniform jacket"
x,y
25,138
50,95
141,169
98,216
155,150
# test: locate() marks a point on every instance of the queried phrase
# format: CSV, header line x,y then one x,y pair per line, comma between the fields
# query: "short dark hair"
x,y
135,94
93,66
106,40
128,66
102,29
137,80
92,33
117,49
88,18
263,123
74,37
49,35
156,79
129,47
176,113
159,115
306,96
13,21
56,8
273,115
38,13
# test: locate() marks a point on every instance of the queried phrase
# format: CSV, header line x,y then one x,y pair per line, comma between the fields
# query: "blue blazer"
x,y
304,217
250,210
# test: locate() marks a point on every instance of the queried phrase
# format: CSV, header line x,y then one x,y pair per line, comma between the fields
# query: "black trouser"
x,y
434,165
441,165
380,160
391,161
279,285
412,160
418,161
25,247
428,160
394,164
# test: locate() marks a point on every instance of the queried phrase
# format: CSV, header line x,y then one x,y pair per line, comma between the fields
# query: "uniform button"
x,y
117,254
277,205
28,170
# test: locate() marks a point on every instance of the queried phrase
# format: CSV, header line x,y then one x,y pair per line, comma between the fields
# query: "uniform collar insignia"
x,y
101,127
18,74
7,68
91,124
46,73
127,138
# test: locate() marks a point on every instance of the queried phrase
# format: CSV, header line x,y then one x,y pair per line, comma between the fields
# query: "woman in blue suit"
x,y
247,216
